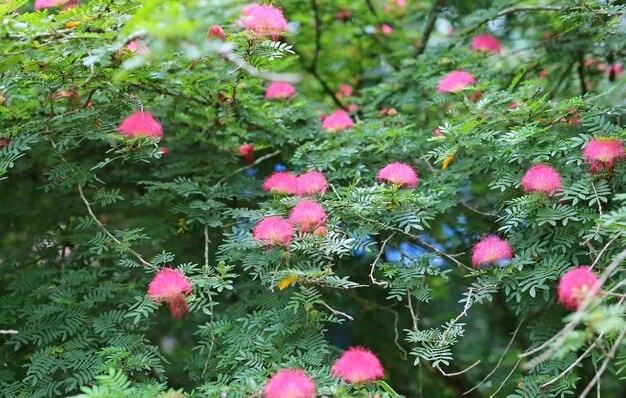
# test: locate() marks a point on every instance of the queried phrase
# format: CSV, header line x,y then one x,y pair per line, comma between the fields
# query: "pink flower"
x,y
514,105
353,107
164,150
264,20
401,3
544,73
289,383
574,286
490,250
455,81
137,47
358,365
602,152
542,178
280,90
141,123
39,4
614,70
398,173
282,182
171,286
216,31
247,150
337,121
168,283
307,214
344,89
486,42
311,183
273,231
386,29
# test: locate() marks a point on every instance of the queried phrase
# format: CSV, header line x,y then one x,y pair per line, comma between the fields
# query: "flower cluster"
x,y
289,383
542,178
337,121
280,90
273,231
601,152
486,42
171,286
455,81
358,365
284,183
307,214
264,20
491,250
398,173
141,123
574,286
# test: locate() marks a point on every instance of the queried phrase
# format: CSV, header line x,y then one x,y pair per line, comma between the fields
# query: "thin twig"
x,y
380,253
458,373
506,378
8,331
512,10
609,357
595,191
259,160
499,360
335,312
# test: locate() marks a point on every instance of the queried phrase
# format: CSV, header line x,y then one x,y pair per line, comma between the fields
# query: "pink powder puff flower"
x,y
246,150
216,31
307,214
141,124
164,150
137,46
386,29
311,183
491,250
514,105
337,121
283,182
604,150
542,178
401,3
358,365
486,42
344,89
273,231
289,383
263,19
280,90
171,286
40,4
398,173
614,70
574,286
353,107
544,73
455,81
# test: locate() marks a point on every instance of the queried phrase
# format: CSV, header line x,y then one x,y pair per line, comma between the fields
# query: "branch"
x,y
273,76
430,24
609,356
259,160
380,253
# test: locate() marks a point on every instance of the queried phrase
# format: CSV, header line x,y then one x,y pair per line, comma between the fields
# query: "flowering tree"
x,y
322,198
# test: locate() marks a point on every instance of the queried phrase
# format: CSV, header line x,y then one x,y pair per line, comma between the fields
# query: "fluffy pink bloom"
x,y
344,89
164,150
171,286
455,81
603,151
386,29
137,46
491,250
246,150
39,4
486,42
280,90
358,365
167,283
398,173
289,383
401,3
614,70
311,183
338,120
544,73
542,178
574,286
273,231
216,31
282,182
264,19
307,214
141,124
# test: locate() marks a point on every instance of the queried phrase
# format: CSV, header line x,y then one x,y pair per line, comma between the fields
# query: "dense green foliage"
x,y
88,216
